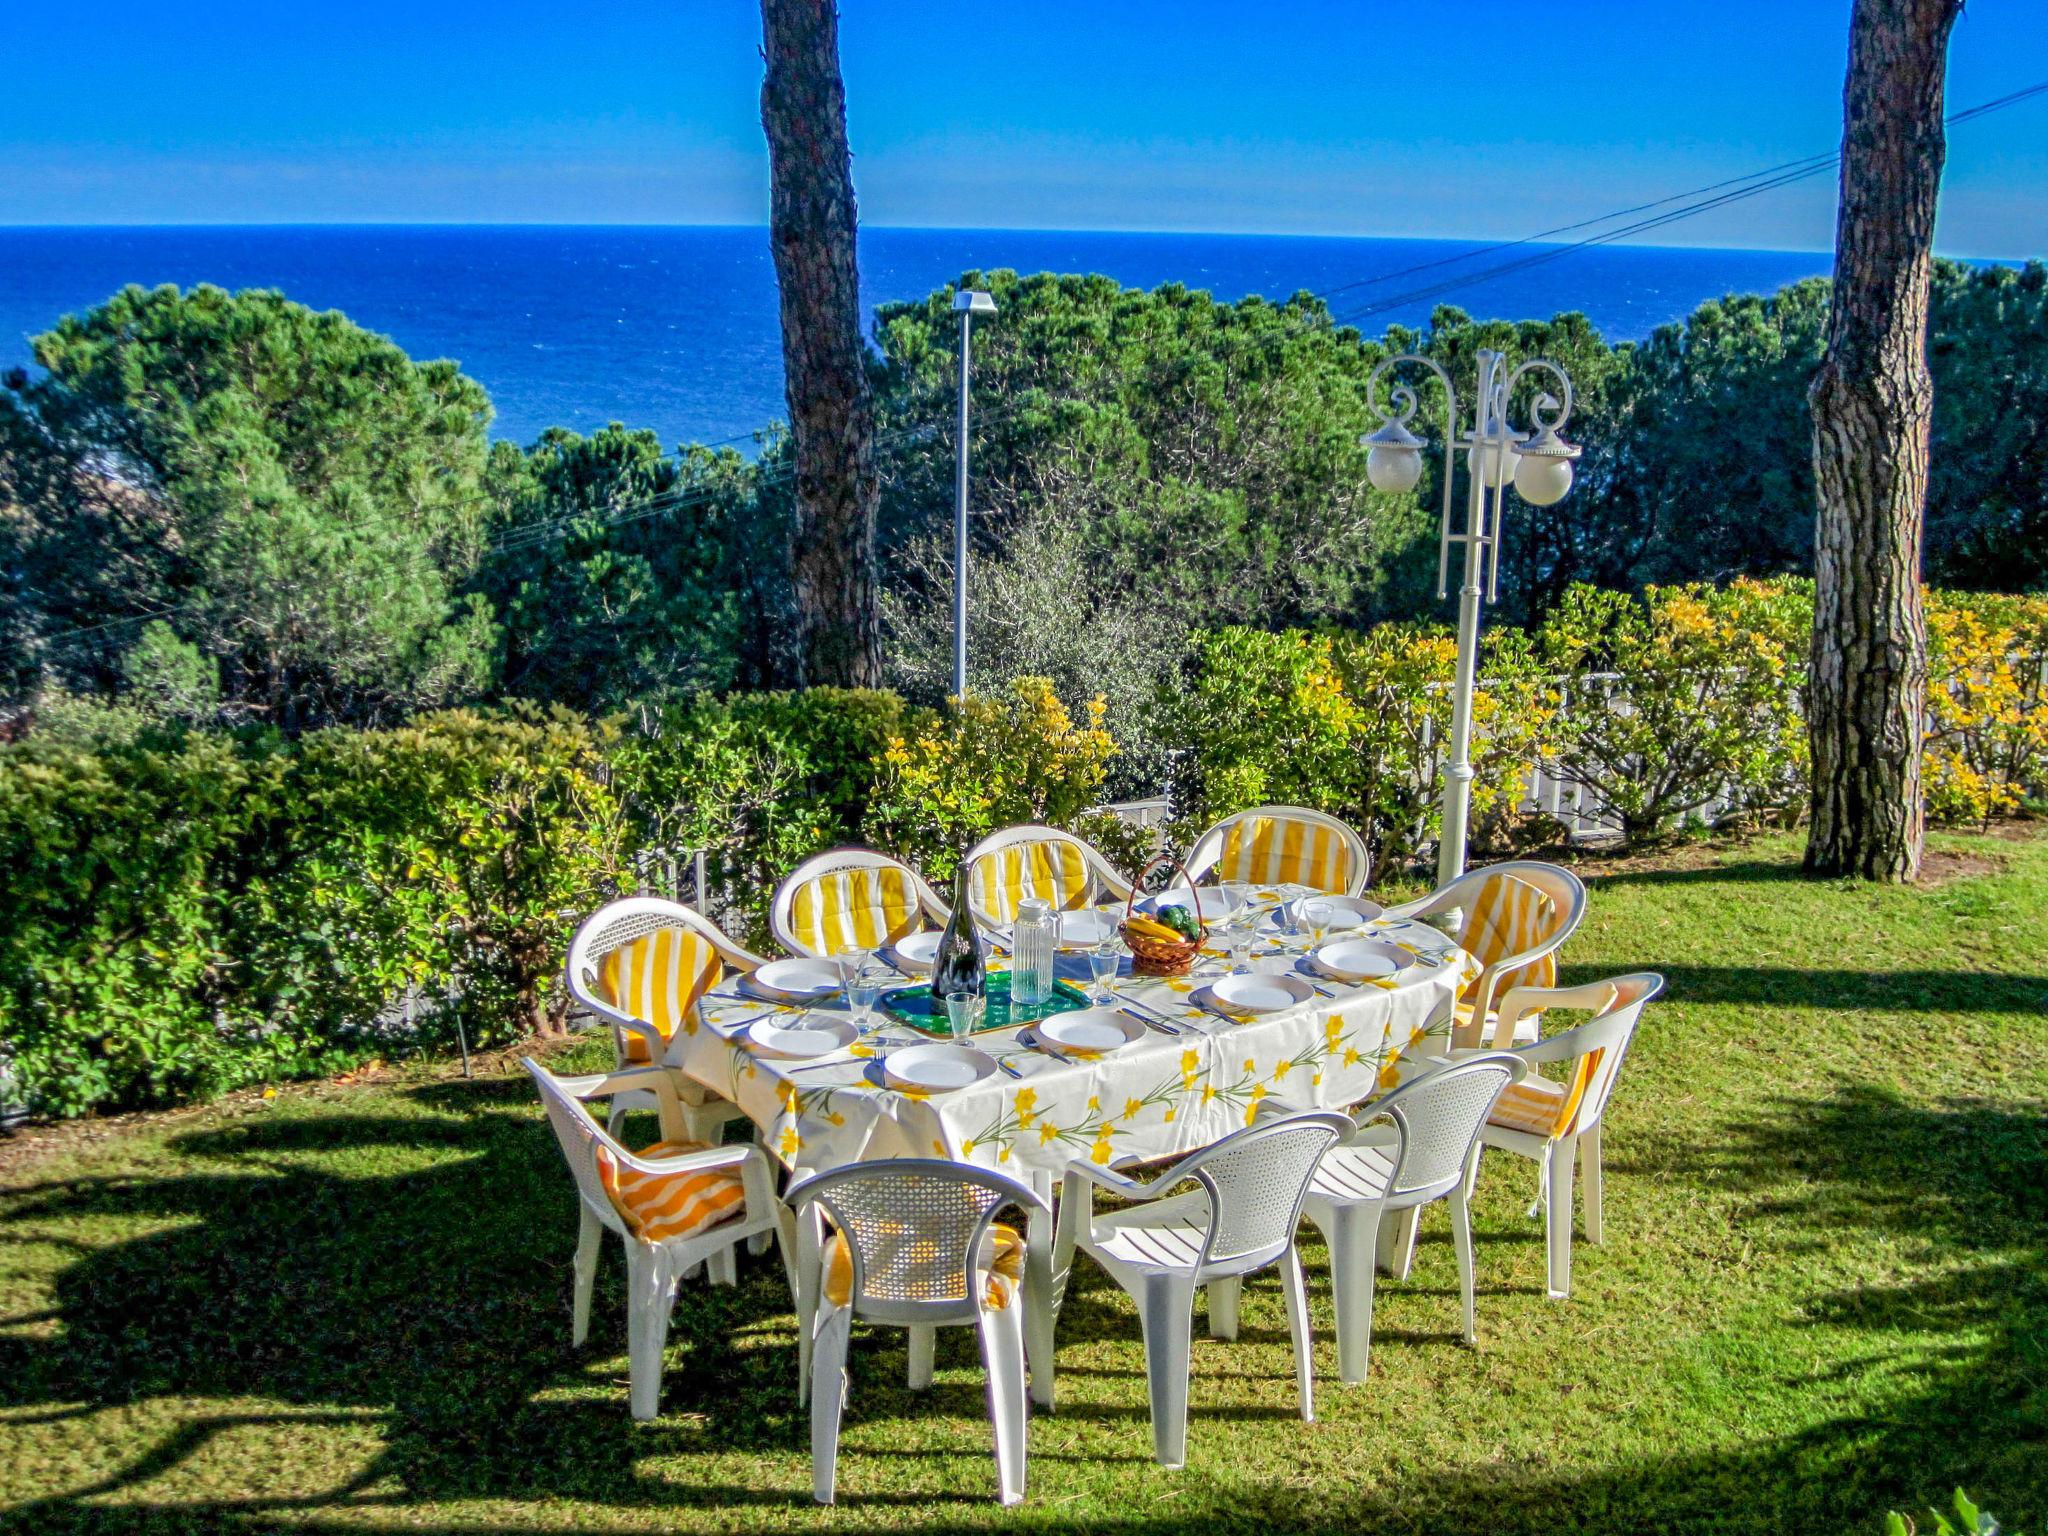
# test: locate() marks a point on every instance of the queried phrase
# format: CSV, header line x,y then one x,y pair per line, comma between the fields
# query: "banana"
x,y
1147,928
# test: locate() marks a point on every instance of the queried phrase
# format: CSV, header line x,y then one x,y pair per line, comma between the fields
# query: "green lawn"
x,y
1823,1294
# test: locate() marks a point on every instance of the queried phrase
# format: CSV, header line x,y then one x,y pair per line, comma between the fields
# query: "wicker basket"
x,y
1163,957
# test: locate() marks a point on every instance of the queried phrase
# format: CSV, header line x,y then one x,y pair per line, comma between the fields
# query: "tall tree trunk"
x,y
1873,403
811,230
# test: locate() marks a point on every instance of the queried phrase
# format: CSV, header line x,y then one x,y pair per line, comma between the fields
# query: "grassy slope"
x,y
1823,1294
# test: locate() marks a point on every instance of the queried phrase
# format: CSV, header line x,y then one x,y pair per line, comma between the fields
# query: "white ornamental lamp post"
x,y
966,304
1539,465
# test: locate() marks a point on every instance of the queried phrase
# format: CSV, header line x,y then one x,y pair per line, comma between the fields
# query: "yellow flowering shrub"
x,y
1354,725
1987,707
984,762
1680,696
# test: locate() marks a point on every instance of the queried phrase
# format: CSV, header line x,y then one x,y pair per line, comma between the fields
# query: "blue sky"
x,y
1287,116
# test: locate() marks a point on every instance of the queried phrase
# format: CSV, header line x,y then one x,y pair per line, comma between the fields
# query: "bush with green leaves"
x,y
1684,695
121,858
455,854
1355,725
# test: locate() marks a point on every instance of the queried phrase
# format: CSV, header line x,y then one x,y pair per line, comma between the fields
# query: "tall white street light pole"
x,y
1537,463
966,304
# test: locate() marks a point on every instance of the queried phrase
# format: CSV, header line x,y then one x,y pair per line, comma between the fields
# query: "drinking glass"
x,y
1291,898
1103,961
963,1015
1317,914
863,992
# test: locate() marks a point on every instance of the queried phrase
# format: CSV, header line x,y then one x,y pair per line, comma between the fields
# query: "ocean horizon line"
x,y
643,226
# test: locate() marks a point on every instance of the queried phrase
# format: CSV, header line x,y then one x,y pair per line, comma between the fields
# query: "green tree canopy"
x,y
290,493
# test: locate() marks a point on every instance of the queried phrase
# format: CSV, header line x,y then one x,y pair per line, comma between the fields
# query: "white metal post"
x,y
1450,858
960,515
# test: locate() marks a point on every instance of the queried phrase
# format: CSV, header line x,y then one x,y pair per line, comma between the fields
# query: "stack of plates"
x,y
793,981
1360,960
914,953
938,1068
801,1041
1095,1031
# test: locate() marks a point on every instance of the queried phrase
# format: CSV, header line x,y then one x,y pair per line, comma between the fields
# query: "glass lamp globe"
x,y
1542,479
1482,454
1393,467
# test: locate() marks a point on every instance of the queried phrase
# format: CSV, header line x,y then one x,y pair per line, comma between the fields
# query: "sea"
x,y
675,328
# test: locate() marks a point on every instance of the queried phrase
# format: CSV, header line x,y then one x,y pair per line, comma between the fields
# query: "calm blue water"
x,y
675,329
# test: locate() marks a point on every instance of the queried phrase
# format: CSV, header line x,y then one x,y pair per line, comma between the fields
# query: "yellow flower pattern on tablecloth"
x,y
1172,1090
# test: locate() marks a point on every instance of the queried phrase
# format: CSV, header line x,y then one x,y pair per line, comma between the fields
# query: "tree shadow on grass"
x,y
1917,990
428,1297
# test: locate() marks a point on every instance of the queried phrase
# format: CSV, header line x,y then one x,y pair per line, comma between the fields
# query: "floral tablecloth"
x,y
1192,1078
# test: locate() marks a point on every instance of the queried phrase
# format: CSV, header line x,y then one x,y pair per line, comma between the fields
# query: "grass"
x,y
1823,1294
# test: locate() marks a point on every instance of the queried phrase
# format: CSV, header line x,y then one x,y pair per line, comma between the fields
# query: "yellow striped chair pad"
x,y
658,978
661,1206
1056,873
1001,1272
1507,917
854,907
1540,1107
1277,850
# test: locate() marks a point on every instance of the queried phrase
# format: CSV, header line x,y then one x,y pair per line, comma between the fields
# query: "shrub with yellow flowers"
x,y
984,762
1987,704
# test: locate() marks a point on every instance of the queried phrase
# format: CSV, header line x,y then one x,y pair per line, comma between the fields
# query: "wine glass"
x,y
1103,961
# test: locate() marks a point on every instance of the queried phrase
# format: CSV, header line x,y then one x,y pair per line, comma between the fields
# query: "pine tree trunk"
x,y
1873,403
811,231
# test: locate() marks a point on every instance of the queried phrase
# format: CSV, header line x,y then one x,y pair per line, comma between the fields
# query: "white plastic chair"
x,y
916,1245
851,897
673,1187
1552,1122
1383,1170
1241,1218
1515,916
1283,844
1057,867
641,964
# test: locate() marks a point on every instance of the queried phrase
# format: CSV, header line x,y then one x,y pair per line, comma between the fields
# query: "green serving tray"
x,y
915,1006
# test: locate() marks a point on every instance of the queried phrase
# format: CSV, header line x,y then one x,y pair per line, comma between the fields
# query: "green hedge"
x,y
190,912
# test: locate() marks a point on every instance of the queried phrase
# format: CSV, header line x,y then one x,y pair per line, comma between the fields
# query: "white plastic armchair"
x,y
1424,1155
677,1205
1551,1121
851,897
1240,1218
1283,844
1057,867
915,1245
1515,916
641,964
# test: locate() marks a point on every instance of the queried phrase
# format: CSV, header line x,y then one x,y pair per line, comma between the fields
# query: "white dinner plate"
x,y
1360,959
1086,928
1089,1029
800,1041
915,952
1260,993
793,980
937,1068
1216,905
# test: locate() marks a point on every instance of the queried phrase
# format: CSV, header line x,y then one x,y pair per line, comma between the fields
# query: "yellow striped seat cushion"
x,y
661,1206
658,977
1541,1107
848,908
1054,872
1507,917
1278,850
1002,1271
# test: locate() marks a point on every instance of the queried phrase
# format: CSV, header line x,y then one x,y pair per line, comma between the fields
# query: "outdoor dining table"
x,y
1195,1074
